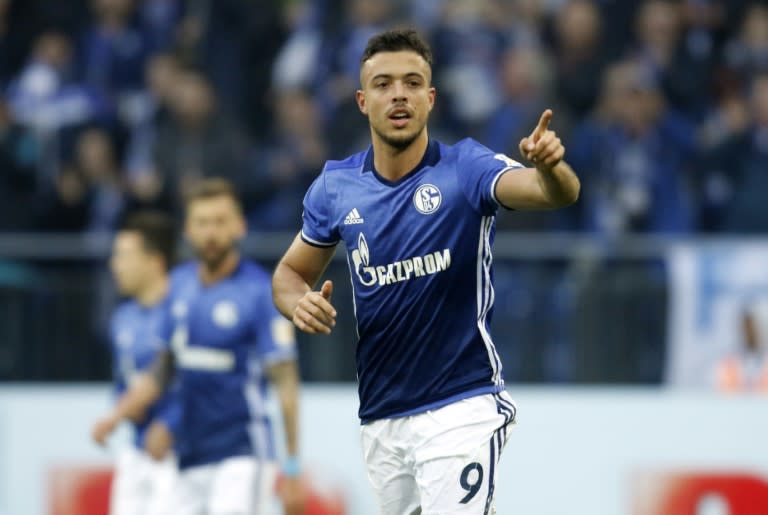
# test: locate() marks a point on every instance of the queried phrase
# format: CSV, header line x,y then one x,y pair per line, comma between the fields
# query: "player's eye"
x,y
380,85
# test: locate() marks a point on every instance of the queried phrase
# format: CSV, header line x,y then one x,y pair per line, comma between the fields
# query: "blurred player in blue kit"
x,y
417,218
142,253
224,341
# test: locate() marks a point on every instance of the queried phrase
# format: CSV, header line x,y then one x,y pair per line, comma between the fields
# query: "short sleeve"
x,y
479,170
317,226
275,335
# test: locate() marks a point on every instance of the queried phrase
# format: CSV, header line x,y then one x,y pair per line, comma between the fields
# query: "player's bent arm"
x,y
146,389
142,393
294,277
284,376
532,188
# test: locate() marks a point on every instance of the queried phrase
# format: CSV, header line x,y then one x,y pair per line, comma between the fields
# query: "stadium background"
x,y
631,296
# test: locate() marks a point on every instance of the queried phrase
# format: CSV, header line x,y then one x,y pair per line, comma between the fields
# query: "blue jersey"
x,y
133,338
223,337
419,253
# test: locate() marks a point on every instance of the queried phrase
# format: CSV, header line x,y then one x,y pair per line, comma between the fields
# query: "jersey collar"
x,y
431,158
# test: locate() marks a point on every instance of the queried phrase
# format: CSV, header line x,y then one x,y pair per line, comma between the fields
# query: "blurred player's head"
x,y
396,87
143,251
214,221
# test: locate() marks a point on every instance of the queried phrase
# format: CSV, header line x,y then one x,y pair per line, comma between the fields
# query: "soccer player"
x,y
224,340
417,218
142,253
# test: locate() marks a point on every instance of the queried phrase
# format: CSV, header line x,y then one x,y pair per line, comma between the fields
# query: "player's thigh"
x,y
459,485
192,489
456,461
163,478
128,492
242,486
390,475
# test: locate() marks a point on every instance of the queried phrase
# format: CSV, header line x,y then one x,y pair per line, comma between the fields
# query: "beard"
x,y
212,256
398,140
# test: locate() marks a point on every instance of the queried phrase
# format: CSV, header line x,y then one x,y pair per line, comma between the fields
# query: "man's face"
x,y
214,227
396,96
129,262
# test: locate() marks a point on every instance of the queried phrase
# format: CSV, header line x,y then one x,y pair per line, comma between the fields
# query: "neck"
x,y
154,291
392,163
221,270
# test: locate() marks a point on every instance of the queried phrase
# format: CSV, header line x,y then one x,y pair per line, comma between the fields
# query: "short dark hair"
x,y
213,187
157,231
397,40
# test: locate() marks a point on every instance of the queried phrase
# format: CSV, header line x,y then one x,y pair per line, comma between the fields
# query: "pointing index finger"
x,y
543,125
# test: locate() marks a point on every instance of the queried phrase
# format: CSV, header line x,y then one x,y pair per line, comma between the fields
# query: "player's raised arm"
x,y
551,184
292,287
144,391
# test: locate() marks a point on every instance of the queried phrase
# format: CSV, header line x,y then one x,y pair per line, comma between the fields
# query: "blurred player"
x,y
417,218
746,370
224,339
142,252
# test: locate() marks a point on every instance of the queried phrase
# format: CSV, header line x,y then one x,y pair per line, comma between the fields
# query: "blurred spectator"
x,y
46,95
736,174
98,165
525,77
158,20
87,194
65,207
212,36
113,54
578,52
296,63
526,19
747,52
746,369
468,44
288,163
525,85
23,21
11,44
143,179
268,30
19,160
634,153
662,46
198,140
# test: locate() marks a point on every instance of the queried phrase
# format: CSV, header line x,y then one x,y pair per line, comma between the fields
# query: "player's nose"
x,y
399,92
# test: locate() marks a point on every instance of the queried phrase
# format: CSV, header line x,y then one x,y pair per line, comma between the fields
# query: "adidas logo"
x,y
353,218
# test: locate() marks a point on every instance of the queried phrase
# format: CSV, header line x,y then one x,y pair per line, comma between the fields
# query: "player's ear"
x,y
360,98
432,95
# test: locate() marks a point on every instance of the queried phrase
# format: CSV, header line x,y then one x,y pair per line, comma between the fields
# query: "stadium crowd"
x,y
110,105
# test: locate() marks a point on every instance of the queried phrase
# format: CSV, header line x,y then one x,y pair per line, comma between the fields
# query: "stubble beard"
x,y
213,260
399,142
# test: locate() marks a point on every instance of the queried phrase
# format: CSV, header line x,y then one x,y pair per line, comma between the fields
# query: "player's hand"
x,y
158,440
314,313
543,148
103,428
292,495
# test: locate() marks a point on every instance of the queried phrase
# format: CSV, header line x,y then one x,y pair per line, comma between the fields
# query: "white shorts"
x,y
141,485
240,485
443,461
